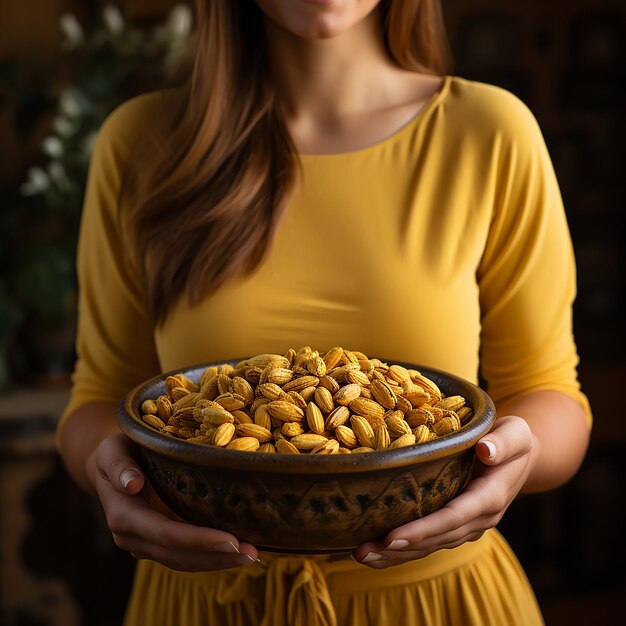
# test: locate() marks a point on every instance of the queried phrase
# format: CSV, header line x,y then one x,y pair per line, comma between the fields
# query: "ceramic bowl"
x,y
302,503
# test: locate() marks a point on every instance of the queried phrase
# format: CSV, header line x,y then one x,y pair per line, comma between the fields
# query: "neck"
x,y
328,78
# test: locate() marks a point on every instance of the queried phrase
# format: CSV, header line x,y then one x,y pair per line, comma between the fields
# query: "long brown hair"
x,y
204,207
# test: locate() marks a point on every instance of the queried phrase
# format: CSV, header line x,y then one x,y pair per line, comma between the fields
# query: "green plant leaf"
x,y
45,283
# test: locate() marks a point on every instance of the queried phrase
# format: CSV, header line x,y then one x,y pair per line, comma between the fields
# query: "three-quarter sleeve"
x,y
527,275
114,344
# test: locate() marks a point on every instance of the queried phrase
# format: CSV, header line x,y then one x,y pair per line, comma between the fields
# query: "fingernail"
x,y
245,559
491,449
127,475
397,544
371,556
229,546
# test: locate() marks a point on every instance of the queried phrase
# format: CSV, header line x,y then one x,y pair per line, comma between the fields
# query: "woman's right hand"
x,y
147,533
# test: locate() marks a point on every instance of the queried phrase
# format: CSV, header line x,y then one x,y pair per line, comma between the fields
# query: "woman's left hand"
x,y
504,461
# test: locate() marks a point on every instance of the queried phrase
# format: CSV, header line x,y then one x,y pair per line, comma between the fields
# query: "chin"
x,y
320,27
316,20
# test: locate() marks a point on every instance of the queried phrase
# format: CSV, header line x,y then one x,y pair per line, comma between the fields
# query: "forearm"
x,y
560,435
80,436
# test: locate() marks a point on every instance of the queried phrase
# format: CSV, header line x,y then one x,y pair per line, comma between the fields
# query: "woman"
x,y
321,181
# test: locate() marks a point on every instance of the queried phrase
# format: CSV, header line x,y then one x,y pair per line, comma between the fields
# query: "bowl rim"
x,y
182,451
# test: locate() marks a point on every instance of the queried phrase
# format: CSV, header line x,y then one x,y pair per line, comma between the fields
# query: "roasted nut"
x,y
346,437
465,414
396,425
286,447
363,431
216,415
291,429
254,430
262,417
242,388
249,444
314,418
285,411
154,421
384,394
149,406
401,442
332,357
308,441
452,403
337,417
324,399
330,446
223,435
422,434
366,408
347,394
381,437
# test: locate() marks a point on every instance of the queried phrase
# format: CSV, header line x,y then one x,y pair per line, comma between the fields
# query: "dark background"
x,y
565,59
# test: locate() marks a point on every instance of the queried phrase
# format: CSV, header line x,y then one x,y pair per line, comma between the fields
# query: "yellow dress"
x,y
445,244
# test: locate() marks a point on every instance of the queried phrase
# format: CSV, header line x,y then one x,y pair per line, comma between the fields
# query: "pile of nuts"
x,y
341,402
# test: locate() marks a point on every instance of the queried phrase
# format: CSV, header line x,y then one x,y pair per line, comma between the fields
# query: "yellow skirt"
x,y
479,583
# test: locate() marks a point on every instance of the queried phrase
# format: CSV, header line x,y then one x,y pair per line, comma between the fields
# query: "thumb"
x,y
131,480
116,462
510,437
486,451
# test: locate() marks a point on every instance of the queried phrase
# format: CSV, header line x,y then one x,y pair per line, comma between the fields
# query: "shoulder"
x,y
134,116
490,111
120,141
132,122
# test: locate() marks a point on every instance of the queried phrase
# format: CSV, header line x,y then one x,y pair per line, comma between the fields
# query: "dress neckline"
x,y
397,135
